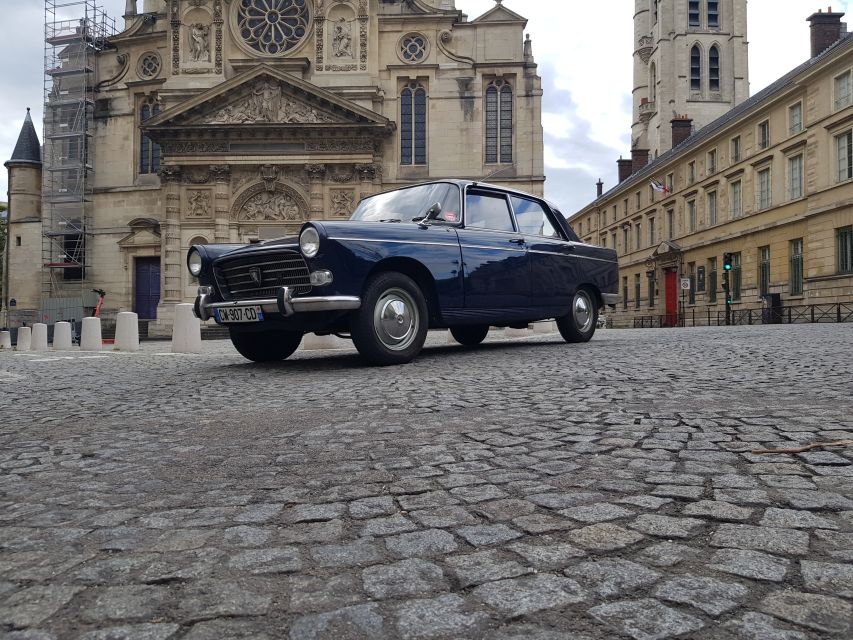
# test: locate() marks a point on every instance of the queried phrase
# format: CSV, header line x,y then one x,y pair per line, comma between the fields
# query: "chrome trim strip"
x,y
291,305
439,244
573,255
610,298
513,249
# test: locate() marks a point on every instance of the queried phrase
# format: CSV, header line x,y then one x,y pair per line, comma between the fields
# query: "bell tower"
x,y
690,62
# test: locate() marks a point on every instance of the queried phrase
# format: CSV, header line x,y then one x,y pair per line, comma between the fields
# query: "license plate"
x,y
240,314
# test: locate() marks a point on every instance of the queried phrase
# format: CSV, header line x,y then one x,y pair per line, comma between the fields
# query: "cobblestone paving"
x,y
526,489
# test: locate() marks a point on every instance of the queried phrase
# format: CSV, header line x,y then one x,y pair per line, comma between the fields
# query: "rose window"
x,y
413,48
272,26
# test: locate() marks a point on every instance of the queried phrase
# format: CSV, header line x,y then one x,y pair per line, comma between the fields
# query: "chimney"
x,y
624,169
682,127
639,159
599,188
826,30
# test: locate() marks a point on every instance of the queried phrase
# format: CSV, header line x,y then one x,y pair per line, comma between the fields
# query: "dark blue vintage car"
x,y
448,254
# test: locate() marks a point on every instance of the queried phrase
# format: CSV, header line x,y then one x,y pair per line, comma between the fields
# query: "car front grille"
x,y
261,275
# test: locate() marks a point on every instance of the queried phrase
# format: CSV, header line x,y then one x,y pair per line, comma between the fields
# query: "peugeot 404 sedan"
x,y
449,254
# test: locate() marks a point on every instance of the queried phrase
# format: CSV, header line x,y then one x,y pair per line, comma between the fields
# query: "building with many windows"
x,y
770,183
217,121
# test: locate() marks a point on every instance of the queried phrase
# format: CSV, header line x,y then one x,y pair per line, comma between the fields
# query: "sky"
x,y
576,43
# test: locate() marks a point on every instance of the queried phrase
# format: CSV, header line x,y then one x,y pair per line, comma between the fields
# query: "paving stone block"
x,y
717,510
667,526
130,602
500,510
484,535
599,512
646,619
360,552
151,631
712,596
604,537
268,560
750,564
484,566
387,526
828,577
667,554
407,578
349,623
770,539
421,543
546,554
757,626
372,507
823,613
29,607
612,576
445,616
795,519
529,594
443,517
542,523
319,593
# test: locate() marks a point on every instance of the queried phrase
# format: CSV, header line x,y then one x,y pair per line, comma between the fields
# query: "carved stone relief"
x,y
342,201
258,204
266,102
198,203
342,38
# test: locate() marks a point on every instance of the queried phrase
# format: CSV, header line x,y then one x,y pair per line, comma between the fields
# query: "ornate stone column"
x,y
171,235
316,173
366,175
221,174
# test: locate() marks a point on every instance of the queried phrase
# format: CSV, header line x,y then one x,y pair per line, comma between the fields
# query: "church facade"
x,y
217,121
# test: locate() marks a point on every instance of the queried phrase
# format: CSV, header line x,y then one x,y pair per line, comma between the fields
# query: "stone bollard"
x,y
311,341
90,335
509,332
5,340
186,332
127,331
549,326
25,339
62,336
39,341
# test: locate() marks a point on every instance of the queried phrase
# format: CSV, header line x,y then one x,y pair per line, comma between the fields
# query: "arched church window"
x,y
272,26
499,122
714,69
413,124
149,151
695,69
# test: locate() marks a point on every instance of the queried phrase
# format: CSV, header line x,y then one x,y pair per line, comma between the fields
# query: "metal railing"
x,y
798,314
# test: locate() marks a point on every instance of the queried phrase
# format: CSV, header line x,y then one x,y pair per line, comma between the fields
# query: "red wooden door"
x,y
671,293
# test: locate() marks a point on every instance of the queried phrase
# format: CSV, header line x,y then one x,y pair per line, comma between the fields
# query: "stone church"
x,y
211,121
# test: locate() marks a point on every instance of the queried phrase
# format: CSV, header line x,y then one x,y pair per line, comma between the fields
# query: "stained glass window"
x,y
413,124
499,122
272,26
149,151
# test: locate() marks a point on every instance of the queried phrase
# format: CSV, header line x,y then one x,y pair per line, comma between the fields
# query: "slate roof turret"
x,y
28,149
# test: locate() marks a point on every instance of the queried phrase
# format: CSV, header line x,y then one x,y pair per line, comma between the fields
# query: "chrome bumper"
x,y
284,303
610,298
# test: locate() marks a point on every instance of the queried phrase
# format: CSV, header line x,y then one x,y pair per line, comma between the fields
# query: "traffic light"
x,y
727,262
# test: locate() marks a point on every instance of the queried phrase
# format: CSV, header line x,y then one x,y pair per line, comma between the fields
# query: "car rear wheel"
x,y
391,325
470,335
265,346
579,324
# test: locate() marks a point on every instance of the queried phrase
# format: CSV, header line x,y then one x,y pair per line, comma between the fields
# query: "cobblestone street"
x,y
526,489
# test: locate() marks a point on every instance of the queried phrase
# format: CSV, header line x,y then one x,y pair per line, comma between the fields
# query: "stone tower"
x,y
690,61
23,244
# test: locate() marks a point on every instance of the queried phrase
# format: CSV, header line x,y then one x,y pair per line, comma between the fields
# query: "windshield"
x,y
412,203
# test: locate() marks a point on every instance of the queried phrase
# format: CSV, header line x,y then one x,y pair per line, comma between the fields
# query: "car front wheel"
x,y
579,324
470,335
391,325
265,346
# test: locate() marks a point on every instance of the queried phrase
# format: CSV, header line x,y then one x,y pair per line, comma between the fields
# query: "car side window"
x,y
532,218
487,211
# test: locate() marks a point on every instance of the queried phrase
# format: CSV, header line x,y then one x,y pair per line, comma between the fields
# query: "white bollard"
x,y
5,340
39,342
186,332
509,332
90,334
62,336
548,326
25,338
127,331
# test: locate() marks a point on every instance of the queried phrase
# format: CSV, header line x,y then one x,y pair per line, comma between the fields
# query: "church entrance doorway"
x,y
146,287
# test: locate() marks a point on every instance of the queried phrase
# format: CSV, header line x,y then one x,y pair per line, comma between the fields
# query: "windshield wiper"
x,y
391,220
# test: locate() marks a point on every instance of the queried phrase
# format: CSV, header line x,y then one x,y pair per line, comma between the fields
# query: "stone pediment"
x,y
265,96
140,238
500,13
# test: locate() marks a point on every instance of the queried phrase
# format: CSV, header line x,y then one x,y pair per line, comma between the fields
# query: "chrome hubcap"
x,y
395,319
582,311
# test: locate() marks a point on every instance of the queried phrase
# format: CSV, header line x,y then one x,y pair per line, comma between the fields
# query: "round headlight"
x,y
194,262
309,242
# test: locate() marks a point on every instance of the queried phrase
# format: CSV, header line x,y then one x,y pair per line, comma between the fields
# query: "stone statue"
x,y
342,39
199,204
342,202
199,42
270,206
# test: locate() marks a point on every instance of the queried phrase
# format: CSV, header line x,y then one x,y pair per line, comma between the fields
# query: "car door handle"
x,y
517,240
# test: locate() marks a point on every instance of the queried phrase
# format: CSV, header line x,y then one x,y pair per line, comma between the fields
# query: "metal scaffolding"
x,y
74,32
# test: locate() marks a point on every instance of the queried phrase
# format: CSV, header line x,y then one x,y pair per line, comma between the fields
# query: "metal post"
x,y
728,299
